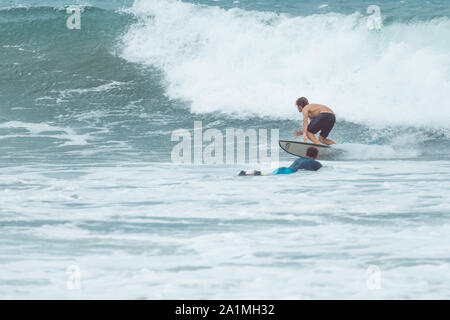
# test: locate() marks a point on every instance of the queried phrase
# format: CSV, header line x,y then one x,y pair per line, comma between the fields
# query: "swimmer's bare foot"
x,y
255,173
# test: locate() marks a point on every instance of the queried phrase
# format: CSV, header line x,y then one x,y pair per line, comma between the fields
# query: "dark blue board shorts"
x,y
323,122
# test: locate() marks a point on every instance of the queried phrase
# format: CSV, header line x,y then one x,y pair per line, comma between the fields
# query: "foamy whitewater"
x,y
92,205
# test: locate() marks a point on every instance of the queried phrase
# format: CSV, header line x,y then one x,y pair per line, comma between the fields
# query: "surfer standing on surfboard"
x,y
322,118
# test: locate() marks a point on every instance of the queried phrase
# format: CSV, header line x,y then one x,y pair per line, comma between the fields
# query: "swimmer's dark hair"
x,y
302,102
312,152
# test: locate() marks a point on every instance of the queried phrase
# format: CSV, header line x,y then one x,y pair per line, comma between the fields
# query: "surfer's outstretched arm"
x,y
306,134
305,123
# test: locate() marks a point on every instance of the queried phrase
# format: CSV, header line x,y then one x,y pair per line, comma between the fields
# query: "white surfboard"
x,y
298,148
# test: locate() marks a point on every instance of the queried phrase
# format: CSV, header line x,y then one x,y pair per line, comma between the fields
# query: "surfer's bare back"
x,y
322,119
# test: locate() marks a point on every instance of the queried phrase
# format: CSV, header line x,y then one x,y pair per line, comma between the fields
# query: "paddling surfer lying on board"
x,y
307,163
322,118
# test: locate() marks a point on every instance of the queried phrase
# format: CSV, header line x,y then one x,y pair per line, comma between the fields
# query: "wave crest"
x,y
258,63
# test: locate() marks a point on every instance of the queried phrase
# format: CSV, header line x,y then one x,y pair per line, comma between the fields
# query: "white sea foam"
x,y
375,151
249,62
100,88
45,130
153,230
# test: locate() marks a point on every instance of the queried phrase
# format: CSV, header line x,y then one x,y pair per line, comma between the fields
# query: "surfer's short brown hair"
x,y
312,152
301,102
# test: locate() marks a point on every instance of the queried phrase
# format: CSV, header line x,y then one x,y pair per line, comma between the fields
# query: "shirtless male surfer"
x,y
322,119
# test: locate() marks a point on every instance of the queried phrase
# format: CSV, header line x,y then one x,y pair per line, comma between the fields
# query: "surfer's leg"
x,y
328,123
326,140
312,137
313,128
